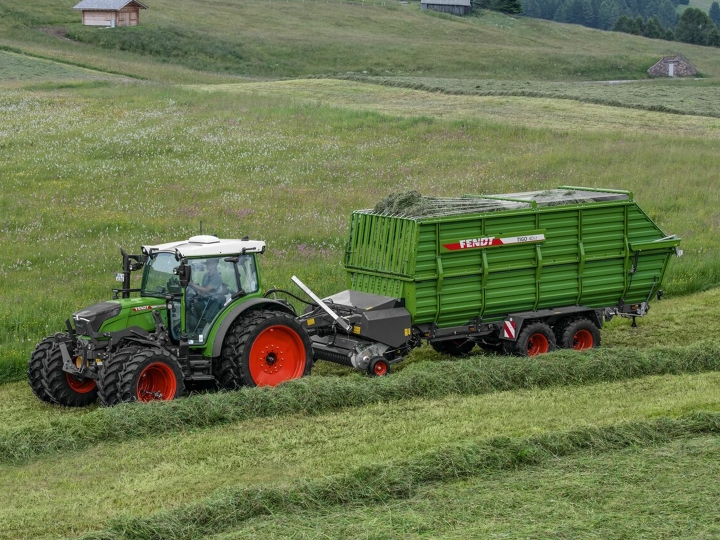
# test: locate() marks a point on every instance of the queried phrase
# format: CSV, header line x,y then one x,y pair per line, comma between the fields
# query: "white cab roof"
x,y
208,246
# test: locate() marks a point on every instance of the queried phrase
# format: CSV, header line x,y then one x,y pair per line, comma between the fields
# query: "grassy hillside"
x,y
297,37
568,445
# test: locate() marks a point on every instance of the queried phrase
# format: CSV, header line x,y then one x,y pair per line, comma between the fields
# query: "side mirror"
x,y
183,273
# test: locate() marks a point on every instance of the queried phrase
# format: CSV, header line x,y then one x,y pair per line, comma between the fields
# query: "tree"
x,y
654,29
628,25
696,27
714,13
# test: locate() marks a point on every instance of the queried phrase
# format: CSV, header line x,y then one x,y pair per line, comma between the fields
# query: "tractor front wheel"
x,y
38,359
109,380
61,387
265,348
150,375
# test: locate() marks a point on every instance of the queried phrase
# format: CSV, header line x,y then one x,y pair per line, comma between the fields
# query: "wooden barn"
x,y
455,7
110,12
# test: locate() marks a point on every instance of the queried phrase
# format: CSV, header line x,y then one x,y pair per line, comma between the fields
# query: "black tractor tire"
x,y
577,333
62,387
109,380
535,338
38,358
151,374
454,347
264,348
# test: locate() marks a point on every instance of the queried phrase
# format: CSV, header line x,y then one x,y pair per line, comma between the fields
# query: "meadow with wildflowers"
x,y
103,148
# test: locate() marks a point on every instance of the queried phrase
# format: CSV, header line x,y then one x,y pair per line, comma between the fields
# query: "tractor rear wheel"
x,y
578,334
109,380
536,338
454,347
38,359
265,348
64,388
150,375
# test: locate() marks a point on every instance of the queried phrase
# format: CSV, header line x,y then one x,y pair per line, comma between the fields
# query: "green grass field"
x,y
276,120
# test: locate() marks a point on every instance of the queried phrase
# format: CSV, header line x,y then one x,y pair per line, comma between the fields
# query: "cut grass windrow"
x,y
314,395
401,478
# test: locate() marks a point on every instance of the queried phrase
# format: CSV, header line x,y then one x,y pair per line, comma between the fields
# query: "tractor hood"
x,y
90,319
207,246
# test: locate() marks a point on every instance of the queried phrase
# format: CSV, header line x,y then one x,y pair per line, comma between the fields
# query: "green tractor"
x,y
199,316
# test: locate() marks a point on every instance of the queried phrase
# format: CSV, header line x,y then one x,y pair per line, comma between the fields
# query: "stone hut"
x,y
455,7
673,66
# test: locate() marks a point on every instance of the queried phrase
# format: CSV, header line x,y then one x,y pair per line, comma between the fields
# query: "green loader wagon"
x,y
518,273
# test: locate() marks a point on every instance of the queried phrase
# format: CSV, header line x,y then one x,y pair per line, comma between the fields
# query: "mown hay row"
x,y
399,479
316,395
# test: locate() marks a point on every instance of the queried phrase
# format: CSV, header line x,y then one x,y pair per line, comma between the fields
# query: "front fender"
x,y
237,311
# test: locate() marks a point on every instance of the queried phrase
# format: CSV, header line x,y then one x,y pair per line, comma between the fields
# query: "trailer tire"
x,y
151,374
266,348
378,367
62,387
109,379
36,363
535,338
454,347
579,334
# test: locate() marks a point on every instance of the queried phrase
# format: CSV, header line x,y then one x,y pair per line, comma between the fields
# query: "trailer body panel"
x,y
481,258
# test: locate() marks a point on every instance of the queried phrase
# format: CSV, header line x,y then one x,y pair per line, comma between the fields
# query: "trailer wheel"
x,y
268,348
109,380
150,375
62,387
536,338
35,366
378,367
454,347
578,334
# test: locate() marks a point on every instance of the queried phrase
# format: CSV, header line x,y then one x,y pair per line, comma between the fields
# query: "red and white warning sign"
x,y
490,241
509,329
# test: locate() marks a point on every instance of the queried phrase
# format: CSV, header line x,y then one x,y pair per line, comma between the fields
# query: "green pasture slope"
x,y
276,120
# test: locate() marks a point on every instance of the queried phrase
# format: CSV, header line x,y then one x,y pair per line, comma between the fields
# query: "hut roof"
x,y
447,2
108,5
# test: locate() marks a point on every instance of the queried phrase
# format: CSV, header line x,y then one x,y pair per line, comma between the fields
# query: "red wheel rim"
x,y
79,384
380,368
157,382
537,344
277,355
583,339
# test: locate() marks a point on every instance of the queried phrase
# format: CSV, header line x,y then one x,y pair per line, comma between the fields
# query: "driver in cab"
x,y
211,281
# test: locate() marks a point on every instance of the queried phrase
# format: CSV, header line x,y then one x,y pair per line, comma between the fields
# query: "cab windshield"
x,y
158,278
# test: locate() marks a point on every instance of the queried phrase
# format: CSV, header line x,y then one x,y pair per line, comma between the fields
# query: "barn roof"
x,y
447,2
108,5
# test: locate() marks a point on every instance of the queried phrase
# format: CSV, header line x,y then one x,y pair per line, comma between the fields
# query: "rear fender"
x,y
237,311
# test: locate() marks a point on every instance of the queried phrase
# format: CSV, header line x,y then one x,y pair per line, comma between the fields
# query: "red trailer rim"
x,y
80,385
538,344
583,339
157,382
277,355
380,368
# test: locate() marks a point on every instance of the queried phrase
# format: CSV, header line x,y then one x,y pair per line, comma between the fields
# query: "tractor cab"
x,y
198,278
